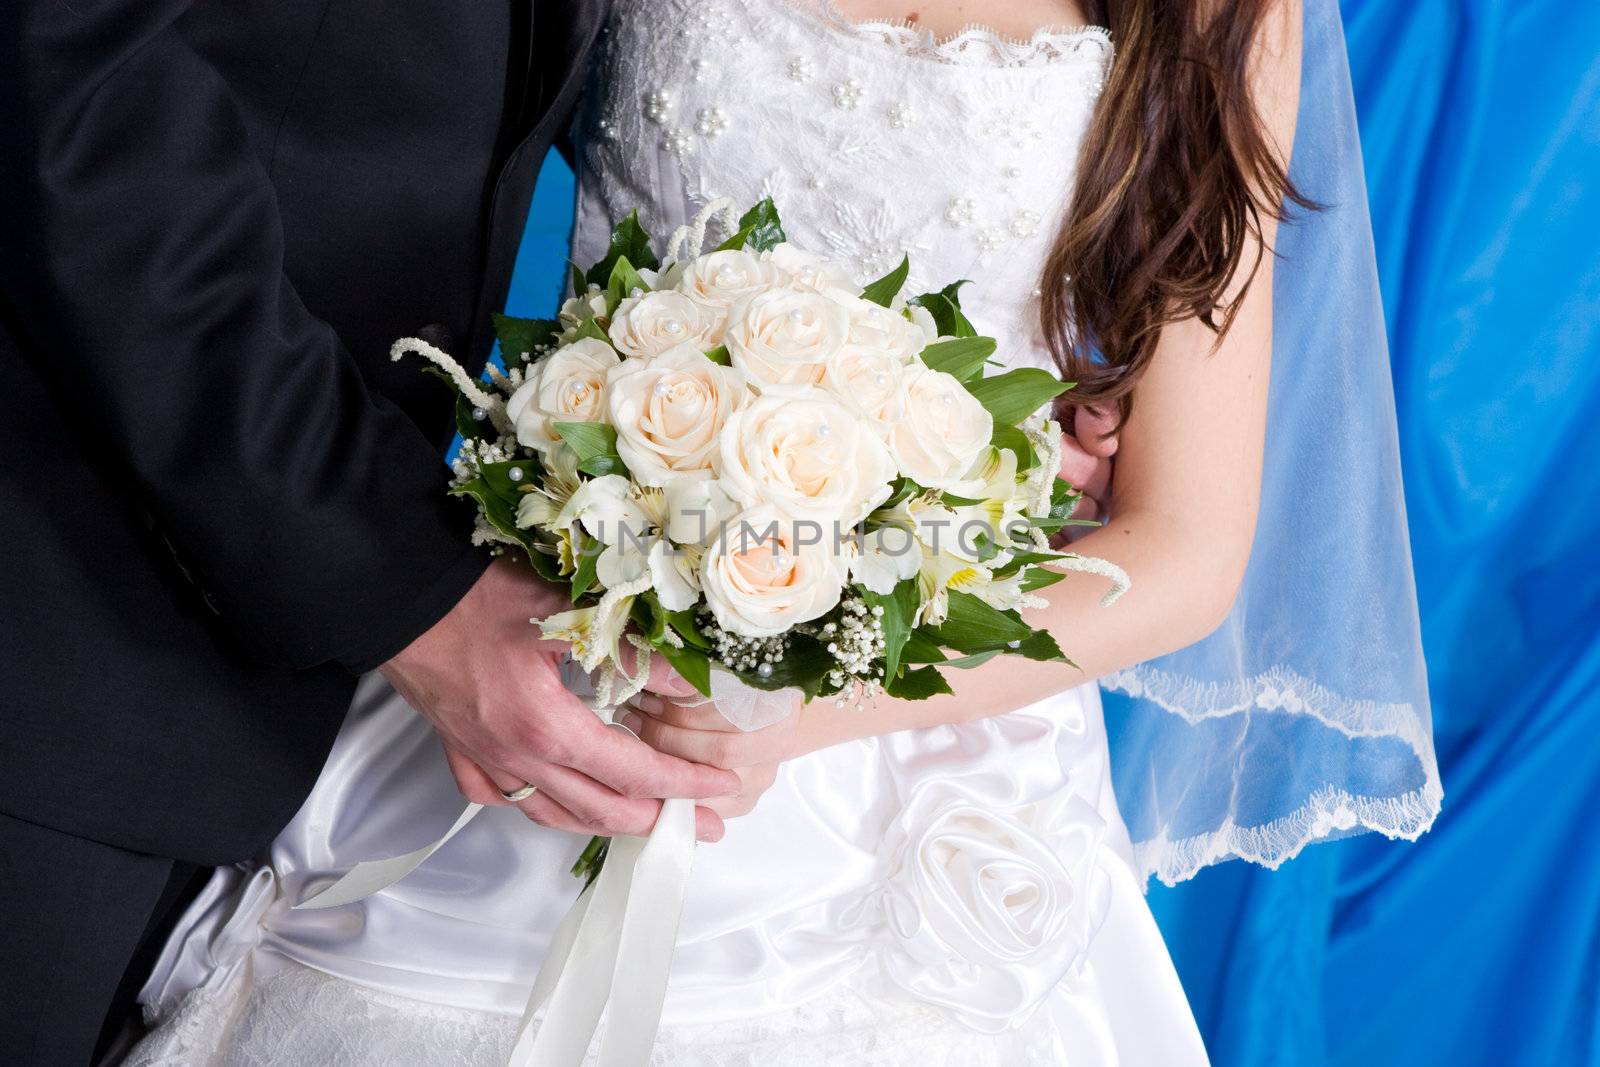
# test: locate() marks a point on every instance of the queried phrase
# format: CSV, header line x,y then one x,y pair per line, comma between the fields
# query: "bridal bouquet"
x,y
777,479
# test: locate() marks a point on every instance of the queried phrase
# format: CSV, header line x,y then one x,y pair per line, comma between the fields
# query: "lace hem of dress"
x,y
975,45
300,1015
1326,812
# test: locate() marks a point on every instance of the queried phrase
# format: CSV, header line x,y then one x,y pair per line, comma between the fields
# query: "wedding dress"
x,y
957,894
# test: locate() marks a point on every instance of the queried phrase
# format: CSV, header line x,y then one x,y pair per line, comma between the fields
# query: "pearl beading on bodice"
x,y
875,139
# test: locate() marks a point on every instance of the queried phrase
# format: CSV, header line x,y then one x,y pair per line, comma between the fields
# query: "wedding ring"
x,y
521,794
624,728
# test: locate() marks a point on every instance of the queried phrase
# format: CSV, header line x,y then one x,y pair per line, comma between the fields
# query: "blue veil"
x,y
1305,716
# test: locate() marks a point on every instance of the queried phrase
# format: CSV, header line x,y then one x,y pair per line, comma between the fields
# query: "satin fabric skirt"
x,y
957,892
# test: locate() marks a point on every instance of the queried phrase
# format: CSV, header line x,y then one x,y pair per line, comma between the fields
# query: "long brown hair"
x,y
1176,175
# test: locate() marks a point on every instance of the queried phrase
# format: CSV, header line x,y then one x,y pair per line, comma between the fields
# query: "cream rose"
x,y
650,324
569,385
763,575
719,280
670,410
785,336
874,328
808,457
812,272
944,430
871,383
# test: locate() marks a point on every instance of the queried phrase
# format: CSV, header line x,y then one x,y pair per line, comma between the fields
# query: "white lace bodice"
x,y
875,139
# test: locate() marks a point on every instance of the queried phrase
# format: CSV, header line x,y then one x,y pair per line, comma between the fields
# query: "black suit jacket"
x,y
219,499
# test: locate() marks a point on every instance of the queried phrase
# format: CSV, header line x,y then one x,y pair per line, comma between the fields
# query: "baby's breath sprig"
x,y
747,654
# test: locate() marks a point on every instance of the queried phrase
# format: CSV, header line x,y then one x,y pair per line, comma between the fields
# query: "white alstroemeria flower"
x,y
543,503
695,509
579,310
883,558
608,509
595,634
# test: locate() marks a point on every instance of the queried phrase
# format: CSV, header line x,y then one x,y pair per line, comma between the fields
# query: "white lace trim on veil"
x,y
1329,811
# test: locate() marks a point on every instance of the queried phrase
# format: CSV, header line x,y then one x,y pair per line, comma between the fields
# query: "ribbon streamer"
x,y
609,957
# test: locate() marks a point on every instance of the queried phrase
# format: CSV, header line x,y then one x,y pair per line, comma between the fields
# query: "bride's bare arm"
x,y
1188,486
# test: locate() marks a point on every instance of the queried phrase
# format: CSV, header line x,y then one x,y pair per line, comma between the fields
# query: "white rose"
x,y
569,385
992,905
719,280
870,382
579,309
668,412
944,431
650,324
761,578
785,336
812,272
808,457
875,328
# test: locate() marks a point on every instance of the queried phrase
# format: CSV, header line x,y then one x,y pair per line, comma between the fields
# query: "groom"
x,y
221,501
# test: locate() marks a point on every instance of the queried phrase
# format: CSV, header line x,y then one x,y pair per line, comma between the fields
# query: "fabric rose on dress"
x,y
944,431
653,323
719,280
669,411
760,580
785,336
992,910
808,457
569,385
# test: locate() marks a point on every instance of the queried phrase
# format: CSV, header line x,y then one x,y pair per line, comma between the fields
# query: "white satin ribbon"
x,y
610,956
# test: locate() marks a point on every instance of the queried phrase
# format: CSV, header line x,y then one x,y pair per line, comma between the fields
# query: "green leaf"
x,y
1013,396
1041,646
963,357
760,228
965,663
883,291
596,446
586,556
578,282
920,684
622,283
945,307
975,626
1014,440
629,240
1040,578
899,612
692,663
523,337
1063,499
1026,559
683,623
720,355
922,648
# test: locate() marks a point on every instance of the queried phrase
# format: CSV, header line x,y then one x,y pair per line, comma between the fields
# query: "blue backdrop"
x,y
1480,945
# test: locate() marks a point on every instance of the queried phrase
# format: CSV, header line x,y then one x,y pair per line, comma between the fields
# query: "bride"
x,y
950,881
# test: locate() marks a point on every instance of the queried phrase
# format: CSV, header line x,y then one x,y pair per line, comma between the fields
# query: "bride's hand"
x,y
1086,453
698,733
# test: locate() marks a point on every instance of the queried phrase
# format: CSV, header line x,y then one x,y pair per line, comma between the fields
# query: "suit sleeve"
x,y
143,254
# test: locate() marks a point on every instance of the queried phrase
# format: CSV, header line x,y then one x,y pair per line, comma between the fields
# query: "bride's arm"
x,y
1188,486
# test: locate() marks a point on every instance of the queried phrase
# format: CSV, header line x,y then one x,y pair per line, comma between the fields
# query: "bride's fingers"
x,y
686,717
757,780
729,749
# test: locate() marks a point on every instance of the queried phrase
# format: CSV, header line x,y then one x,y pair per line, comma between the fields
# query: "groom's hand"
x,y
492,688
